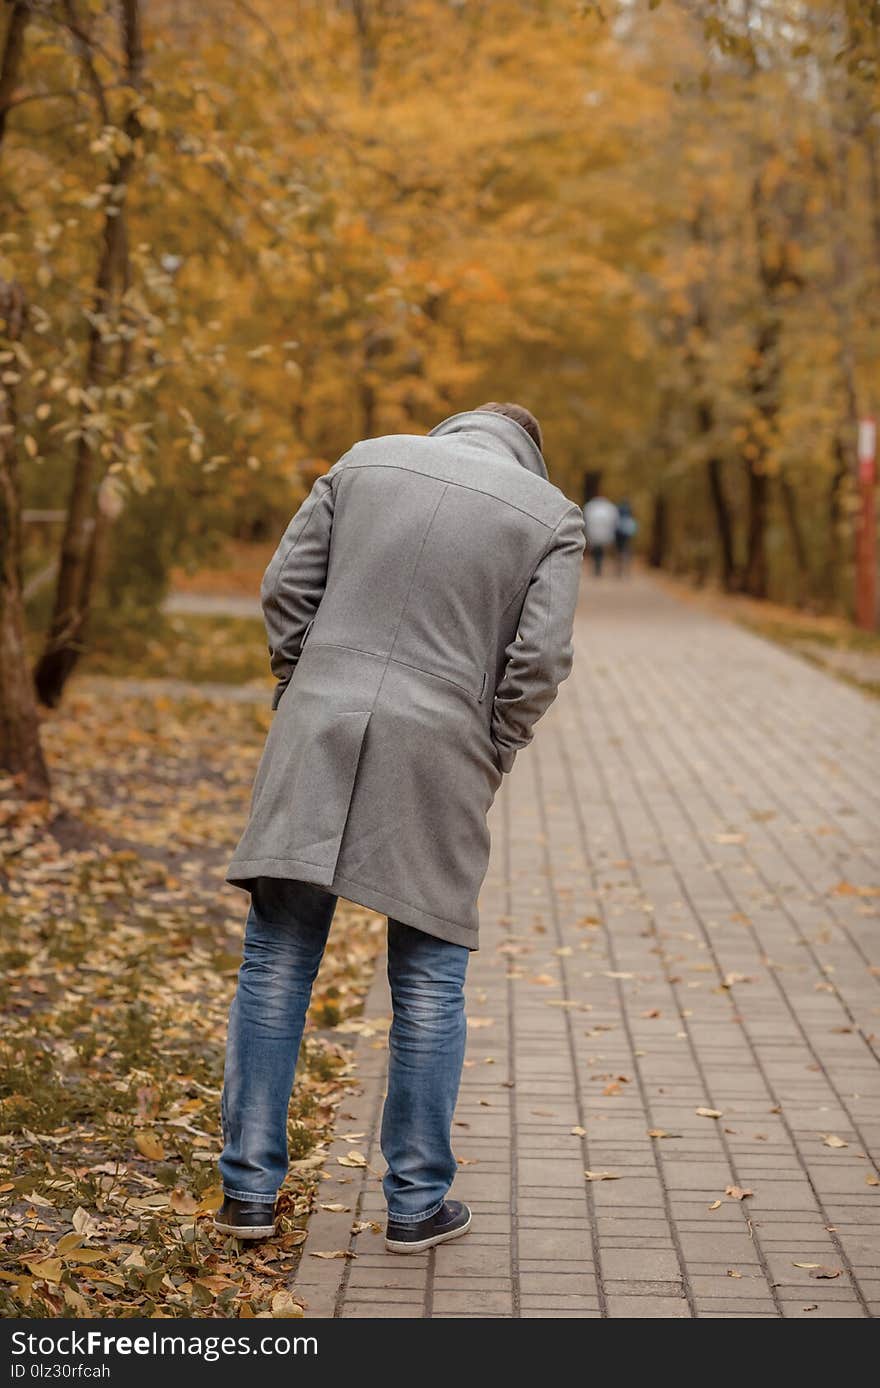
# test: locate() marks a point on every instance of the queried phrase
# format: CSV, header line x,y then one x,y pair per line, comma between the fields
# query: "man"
x,y
419,611
600,523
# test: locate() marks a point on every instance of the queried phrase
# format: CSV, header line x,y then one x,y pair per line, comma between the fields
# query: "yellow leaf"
x,y
832,1140
353,1158
602,1176
76,1301
150,1146
709,1113
211,1201
283,1304
50,1268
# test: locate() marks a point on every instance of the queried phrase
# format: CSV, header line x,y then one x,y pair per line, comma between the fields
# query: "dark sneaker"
x,y
452,1219
245,1219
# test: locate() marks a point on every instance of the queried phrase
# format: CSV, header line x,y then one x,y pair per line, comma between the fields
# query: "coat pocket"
x,y
303,803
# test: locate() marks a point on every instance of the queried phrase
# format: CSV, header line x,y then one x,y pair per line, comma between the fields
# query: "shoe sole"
x,y
258,1231
395,1246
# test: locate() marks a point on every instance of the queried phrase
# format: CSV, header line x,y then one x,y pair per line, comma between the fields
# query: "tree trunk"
x,y
367,47
64,641
706,418
724,522
659,532
20,751
798,543
833,569
720,503
10,61
755,576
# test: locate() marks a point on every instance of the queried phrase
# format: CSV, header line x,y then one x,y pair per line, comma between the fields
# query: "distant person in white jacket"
x,y
600,523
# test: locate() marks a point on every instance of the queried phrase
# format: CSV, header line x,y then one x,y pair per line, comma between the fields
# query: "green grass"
x,y
230,650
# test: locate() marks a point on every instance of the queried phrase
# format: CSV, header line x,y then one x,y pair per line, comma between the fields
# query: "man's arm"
x,y
293,584
540,657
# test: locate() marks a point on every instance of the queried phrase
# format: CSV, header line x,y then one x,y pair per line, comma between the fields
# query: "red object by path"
x,y
866,533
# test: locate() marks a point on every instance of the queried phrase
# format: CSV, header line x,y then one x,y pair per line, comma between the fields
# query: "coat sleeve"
x,y
540,657
293,584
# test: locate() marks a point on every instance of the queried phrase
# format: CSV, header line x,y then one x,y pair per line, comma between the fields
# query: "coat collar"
x,y
499,433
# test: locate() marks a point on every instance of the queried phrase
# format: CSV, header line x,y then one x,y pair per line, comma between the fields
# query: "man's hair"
x,y
521,416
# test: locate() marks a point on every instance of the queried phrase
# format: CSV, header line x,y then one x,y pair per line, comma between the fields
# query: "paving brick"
x,y
647,1307
675,826
640,1264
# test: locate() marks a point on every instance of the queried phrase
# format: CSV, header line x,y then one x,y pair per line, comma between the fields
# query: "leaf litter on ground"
x,y
120,950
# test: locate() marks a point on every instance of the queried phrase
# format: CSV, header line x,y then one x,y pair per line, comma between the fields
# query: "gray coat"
x,y
419,611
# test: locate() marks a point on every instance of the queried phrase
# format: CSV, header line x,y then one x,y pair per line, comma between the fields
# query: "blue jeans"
x,y
287,928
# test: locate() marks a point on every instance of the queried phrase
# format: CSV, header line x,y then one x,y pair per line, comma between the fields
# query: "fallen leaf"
x,y
337,1208
832,1140
76,1301
732,1272
709,1113
67,1244
476,1022
337,1253
716,1205
602,1176
729,838
353,1158
150,1146
806,1265
847,889
49,1268
578,1131
83,1222
825,1273
182,1202
872,1179
652,1012
309,1163
211,1200
283,1304
738,1192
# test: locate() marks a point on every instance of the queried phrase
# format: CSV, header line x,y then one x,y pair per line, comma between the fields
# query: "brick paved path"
x,y
681,913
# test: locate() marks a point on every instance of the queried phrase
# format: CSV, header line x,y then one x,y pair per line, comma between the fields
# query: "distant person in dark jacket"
x,y
627,527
